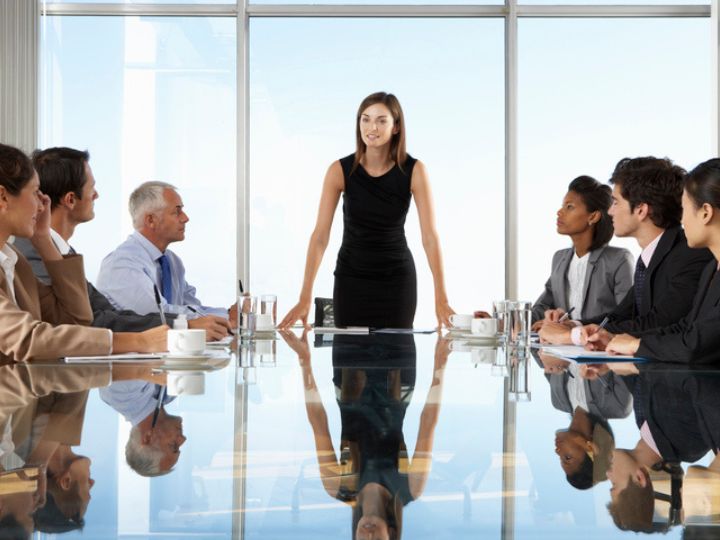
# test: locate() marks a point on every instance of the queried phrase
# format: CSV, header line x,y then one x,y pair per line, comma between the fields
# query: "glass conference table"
x,y
313,438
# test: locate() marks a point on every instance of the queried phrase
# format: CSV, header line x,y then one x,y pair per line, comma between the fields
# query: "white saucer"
x,y
185,356
206,364
477,337
455,330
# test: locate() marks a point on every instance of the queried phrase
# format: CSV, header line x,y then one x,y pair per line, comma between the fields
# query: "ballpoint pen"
x,y
159,305
603,323
566,315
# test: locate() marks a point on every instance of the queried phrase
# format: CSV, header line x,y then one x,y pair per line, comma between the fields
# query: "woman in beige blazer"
x,y
41,322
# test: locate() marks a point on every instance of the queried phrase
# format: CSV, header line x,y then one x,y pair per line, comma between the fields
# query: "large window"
x,y
304,94
617,92
151,99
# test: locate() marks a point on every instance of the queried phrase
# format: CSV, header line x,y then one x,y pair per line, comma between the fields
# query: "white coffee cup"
x,y
186,341
459,346
484,327
461,321
185,383
483,355
264,323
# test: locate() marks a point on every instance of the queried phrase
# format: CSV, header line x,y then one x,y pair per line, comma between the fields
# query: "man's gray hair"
x,y
146,199
143,459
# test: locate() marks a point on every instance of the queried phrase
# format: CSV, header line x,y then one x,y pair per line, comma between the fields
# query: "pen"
x,y
242,291
603,323
159,305
566,315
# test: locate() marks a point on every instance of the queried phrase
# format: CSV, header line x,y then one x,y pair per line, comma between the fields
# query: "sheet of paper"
x,y
110,358
575,352
348,330
404,330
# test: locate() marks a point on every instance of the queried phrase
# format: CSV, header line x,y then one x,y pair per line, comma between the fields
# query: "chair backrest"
x,y
324,313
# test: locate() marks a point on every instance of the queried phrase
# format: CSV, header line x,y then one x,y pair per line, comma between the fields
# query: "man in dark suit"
x,y
646,206
66,177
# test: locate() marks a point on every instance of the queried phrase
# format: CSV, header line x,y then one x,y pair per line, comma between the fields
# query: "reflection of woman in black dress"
x,y
375,283
374,379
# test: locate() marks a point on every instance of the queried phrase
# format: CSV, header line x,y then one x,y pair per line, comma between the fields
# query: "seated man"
x,y
66,177
129,274
155,439
646,206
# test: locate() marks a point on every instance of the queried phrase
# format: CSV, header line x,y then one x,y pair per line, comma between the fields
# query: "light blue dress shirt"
x,y
135,400
127,276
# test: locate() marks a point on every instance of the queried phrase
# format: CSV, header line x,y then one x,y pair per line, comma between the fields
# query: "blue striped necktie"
x,y
639,283
165,278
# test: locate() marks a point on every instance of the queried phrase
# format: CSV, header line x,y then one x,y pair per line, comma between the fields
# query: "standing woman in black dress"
x,y
375,281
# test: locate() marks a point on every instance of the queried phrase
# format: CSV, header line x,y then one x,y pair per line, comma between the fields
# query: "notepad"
x,y
581,355
348,330
112,358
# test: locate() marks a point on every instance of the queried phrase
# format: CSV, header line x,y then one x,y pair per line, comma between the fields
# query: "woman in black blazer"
x,y
696,337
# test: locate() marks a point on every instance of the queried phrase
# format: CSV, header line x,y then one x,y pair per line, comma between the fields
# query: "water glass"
x,y
500,311
518,322
518,389
268,304
247,311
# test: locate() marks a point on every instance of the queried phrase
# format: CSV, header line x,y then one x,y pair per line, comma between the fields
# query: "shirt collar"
x,y
147,245
8,257
647,253
59,241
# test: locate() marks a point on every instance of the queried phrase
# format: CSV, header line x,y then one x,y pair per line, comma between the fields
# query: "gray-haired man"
x,y
128,274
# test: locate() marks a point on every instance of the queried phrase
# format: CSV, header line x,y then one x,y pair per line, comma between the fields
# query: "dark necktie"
x,y
165,278
639,283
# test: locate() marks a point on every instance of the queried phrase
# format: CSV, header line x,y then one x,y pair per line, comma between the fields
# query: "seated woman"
x,y
590,278
41,322
694,339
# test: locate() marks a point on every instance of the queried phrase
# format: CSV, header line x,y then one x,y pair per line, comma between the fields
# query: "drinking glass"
x,y
519,320
268,304
500,311
247,308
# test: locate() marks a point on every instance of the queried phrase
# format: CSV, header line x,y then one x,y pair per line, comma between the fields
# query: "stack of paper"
x,y
112,358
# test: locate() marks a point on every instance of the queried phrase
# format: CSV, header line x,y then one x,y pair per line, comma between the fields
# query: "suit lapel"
x,y
666,243
594,256
561,287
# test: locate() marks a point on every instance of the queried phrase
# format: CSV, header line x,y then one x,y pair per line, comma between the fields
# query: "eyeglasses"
x,y
161,398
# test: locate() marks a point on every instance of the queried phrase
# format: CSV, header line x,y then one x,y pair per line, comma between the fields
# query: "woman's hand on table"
x,y
298,344
443,312
300,312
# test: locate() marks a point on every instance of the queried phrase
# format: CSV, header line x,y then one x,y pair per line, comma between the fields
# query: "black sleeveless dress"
x,y
375,281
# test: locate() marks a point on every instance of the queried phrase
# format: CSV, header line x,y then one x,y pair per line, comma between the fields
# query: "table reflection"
x,y
361,436
374,379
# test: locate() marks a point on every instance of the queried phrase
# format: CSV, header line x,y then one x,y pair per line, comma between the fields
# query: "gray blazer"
x,y
104,314
606,398
608,279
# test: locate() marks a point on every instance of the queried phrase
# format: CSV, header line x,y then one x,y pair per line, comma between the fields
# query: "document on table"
x,y
112,358
349,330
580,354
404,330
